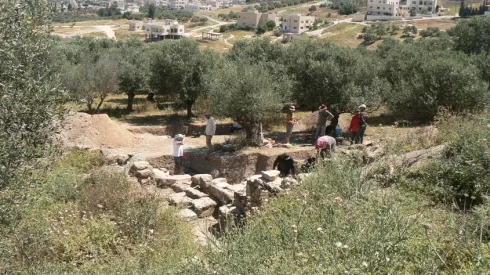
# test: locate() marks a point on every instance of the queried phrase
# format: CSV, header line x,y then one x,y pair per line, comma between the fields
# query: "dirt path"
x,y
108,31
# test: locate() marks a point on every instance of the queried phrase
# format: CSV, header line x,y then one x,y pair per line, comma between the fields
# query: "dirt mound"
x,y
309,123
82,130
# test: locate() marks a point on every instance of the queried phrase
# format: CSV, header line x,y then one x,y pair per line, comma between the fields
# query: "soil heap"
x,y
82,130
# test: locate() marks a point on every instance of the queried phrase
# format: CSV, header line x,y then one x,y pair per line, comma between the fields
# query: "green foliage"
x,y
30,96
260,90
270,25
409,31
462,177
179,69
336,222
257,50
338,76
430,32
472,36
312,8
425,77
387,47
413,12
97,224
346,7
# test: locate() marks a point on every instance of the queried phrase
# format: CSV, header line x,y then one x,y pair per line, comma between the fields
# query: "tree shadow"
x,y
157,120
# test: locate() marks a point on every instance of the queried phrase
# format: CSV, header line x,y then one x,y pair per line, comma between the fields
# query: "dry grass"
x,y
123,32
214,13
94,34
343,34
190,25
101,22
219,46
68,30
443,24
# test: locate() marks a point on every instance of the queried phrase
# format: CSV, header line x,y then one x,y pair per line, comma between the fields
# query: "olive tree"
x,y
180,69
133,69
249,93
339,77
30,96
424,78
90,82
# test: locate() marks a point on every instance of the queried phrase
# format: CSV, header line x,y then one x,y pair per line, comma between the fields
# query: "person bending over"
x,y
325,145
285,165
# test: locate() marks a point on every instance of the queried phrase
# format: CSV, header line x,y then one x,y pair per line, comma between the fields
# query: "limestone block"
x,y
224,196
194,193
288,183
144,174
187,215
204,207
180,199
241,187
218,180
140,165
270,175
168,181
196,179
159,174
180,186
274,186
215,173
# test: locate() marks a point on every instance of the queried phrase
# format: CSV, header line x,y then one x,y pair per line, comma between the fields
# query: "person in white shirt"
x,y
324,145
210,131
178,144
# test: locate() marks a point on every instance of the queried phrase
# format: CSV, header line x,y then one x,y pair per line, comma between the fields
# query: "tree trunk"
x,y
101,98
249,131
131,96
189,108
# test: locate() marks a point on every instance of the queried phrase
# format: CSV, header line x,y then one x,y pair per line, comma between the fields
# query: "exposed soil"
x,y
82,130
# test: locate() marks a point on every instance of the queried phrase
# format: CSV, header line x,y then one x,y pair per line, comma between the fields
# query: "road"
x,y
218,23
108,31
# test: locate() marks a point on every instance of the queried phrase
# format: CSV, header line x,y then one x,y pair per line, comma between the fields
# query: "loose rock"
x,y
270,175
194,193
204,207
187,215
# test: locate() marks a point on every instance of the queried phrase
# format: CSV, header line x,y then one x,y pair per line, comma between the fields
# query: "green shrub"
x,y
337,223
463,176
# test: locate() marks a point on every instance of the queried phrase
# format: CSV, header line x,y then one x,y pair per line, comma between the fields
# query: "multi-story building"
x,y
169,29
177,4
399,8
297,23
135,25
195,7
253,19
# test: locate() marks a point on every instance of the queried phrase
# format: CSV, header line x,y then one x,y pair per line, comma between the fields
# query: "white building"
x,y
195,7
177,4
169,29
253,19
297,23
397,8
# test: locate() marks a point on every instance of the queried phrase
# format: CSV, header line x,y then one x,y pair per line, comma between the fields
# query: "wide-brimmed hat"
x,y
362,106
291,108
179,137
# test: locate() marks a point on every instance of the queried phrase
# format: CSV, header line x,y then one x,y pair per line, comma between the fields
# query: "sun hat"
x,y
292,108
362,106
179,137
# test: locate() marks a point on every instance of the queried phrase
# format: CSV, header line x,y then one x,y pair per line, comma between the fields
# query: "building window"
x,y
306,21
370,7
295,28
377,8
302,22
414,2
420,2
301,28
383,7
425,2
295,21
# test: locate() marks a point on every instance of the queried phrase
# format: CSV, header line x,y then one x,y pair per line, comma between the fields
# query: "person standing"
x,y
210,131
362,124
354,126
178,145
323,116
324,145
290,121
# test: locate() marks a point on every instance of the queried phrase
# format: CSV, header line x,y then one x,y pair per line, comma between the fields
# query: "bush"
x,y
430,32
108,224
462,177
337,223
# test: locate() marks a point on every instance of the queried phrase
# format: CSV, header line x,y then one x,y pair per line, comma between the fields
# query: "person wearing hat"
x,y
359,139
178,145
324,145
323,117
290,121
210,131
285,165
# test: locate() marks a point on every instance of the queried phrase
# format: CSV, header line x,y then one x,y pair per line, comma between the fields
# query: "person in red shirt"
x,y
354,126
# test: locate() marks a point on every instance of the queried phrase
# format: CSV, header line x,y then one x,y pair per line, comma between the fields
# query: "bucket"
x,y
338,130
